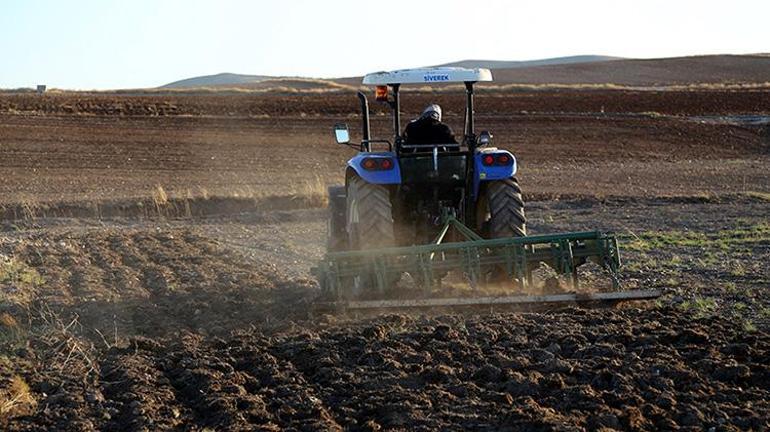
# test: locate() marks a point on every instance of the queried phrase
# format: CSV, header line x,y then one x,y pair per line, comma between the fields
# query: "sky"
x,y
107,44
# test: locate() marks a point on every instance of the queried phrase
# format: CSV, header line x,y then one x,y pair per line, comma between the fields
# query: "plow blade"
x,y
366,278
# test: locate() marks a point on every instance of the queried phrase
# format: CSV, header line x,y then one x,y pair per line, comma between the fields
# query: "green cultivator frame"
x,y
342,274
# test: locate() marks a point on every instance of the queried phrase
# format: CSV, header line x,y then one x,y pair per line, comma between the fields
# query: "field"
x,y
155,255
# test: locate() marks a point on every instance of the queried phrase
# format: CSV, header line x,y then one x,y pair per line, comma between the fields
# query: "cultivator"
x,y
516,258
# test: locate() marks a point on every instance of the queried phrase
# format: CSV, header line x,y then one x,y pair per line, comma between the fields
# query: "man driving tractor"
x,y
428,129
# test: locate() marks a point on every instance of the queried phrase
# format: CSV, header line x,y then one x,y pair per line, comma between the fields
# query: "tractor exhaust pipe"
x,y
365,118
470,136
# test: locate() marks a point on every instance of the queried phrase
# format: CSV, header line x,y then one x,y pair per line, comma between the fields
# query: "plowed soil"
x,y
95,148
155,256
574,370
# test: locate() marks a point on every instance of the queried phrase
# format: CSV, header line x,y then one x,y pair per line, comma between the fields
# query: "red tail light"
x,y
377,164
499,159
369,164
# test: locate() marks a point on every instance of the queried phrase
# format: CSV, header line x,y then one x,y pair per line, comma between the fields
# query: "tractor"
x,y
412,216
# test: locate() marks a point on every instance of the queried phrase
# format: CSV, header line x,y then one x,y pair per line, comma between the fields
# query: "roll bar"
x,y
395,105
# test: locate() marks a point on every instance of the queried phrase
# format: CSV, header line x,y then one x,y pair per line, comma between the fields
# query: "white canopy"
x,y
435,75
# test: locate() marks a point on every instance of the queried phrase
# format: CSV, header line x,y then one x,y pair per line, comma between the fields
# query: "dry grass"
x,y
762,196
313,191
159,199
18,281
12,336
186,202
29,207
7,321
65,347
62,347
16,398
159,196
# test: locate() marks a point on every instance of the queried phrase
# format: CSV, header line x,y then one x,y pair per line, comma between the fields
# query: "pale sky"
x,y
102,44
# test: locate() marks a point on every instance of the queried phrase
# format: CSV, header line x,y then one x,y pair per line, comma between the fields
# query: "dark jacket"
x,y
428,131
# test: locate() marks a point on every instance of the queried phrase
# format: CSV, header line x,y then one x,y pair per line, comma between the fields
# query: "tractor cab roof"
x,y
434,75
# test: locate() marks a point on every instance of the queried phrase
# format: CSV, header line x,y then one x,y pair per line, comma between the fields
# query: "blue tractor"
x,y
430,209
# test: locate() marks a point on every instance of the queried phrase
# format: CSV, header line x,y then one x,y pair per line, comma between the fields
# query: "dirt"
x,y
122,309
197,324
563,141
149,281
675,102
572,370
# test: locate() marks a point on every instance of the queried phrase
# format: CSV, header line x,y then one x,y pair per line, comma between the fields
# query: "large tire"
x,y
501,214
369,215
506,209
369,225
337,236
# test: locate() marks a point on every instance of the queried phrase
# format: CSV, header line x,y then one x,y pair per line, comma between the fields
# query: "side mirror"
x,y
341,133
485,138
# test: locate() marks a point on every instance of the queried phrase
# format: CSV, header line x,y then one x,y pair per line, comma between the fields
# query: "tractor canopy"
x,y
434,75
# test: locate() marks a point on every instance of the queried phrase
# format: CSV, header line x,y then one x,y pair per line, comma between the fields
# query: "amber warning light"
x,y
381,93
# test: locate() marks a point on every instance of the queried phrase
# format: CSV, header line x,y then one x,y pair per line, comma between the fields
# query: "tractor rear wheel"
x,y
369,224
501,214
369,215
506,209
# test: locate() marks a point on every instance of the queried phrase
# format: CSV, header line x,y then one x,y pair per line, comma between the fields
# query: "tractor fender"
x,y
495,172
390,176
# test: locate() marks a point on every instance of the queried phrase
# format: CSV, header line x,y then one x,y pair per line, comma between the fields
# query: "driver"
x,y
428,129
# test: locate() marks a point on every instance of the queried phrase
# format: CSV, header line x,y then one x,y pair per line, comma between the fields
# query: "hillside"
x,y
216,80
261,81
724,69
576,70
500,64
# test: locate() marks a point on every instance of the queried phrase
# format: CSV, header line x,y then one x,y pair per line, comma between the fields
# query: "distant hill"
x,y
707,69
217,80
506,64
710,69
498,64
263,81
574,70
